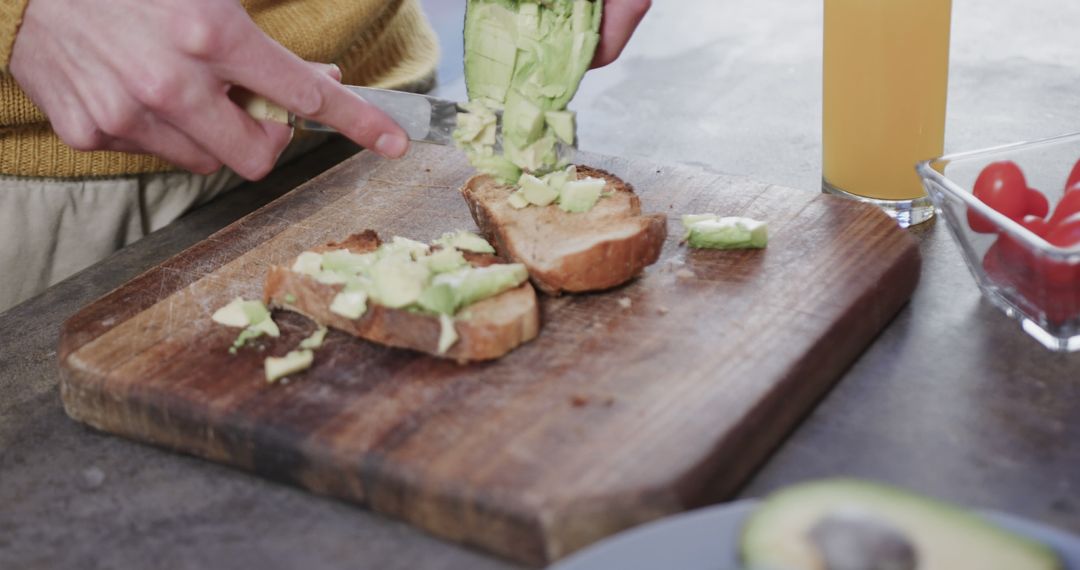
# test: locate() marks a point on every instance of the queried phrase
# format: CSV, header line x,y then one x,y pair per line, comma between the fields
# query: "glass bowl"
x,y
1027,277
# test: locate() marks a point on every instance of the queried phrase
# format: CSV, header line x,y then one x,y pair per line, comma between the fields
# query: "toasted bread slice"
x,y
599,249
486,330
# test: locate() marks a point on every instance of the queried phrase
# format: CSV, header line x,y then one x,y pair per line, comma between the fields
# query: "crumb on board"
x,y
685,274
662,310
625,302
582,400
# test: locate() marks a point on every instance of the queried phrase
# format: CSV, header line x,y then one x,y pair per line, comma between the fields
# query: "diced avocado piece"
x,y
725,233
349,304
256,312
446,259
360,283
243,338
438,298
266,326
581,195
240,313
523,120
331,277
232,314
843,523
308,263
465,241
398,245
539,155
315,339
528,20
397,283
691,219
581,20
490,48
517,200
477,127
447,334
293,362
345,261
557,179
498,167
473,284
289,298
536,191
562,124
470,126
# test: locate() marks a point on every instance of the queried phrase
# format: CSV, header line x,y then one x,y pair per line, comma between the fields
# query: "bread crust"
x,y
609,259
486,330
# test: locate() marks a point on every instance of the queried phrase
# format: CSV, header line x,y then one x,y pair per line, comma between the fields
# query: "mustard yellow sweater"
x,y
379,43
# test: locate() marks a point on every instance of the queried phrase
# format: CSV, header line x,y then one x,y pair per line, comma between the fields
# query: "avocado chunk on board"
x,y
837,524
527,59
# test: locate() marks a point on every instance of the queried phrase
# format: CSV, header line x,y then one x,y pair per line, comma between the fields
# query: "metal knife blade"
x,y
425,119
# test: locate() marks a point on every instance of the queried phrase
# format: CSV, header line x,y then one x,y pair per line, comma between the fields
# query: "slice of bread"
x,y
487,329
599,249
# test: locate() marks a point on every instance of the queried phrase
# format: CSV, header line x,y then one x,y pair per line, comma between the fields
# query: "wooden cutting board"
x,y
633,404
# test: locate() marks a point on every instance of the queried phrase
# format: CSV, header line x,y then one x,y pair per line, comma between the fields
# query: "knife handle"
x,y
261,108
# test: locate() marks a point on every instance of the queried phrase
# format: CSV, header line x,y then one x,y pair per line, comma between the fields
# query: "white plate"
x,y
707,539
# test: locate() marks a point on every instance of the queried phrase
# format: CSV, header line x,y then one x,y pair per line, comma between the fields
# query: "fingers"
x,y
265,67
249,147
169,143
621,18
329,69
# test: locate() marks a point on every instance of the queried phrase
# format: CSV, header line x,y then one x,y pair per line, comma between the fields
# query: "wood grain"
x,y
614,416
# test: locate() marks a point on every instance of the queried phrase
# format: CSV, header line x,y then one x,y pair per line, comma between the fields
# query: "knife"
x,y
425,119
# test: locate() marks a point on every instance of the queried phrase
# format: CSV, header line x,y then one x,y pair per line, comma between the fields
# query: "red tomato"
x,y
1001,186
1058,303
1074,178
1069,205
1037,204
1036,224
1065,234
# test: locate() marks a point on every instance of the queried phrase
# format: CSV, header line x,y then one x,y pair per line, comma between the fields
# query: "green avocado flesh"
x,y
525,59
714,232
406,274
252,316
842,523
295,361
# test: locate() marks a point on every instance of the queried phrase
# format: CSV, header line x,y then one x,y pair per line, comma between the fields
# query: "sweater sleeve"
x,y
11,14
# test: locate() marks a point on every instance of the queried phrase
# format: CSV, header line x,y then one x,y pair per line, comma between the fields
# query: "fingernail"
x,y
391,145
337,71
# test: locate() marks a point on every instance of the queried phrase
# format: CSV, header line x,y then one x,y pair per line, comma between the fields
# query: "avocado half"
x,y
839,524
526,59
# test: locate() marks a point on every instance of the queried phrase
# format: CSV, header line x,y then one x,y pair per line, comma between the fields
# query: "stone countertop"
x,y
951,400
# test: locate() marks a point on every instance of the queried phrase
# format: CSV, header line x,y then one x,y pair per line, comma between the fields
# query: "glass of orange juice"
x,y
886,69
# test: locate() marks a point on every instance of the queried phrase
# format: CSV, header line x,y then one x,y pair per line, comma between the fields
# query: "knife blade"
x,y
424,118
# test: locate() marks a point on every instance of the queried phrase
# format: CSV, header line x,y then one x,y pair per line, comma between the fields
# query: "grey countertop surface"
x,y
951,400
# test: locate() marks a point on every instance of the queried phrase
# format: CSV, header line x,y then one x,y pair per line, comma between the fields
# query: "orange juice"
x,y
885,76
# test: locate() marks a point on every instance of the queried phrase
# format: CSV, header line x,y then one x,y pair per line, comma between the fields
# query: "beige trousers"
x,y
52,228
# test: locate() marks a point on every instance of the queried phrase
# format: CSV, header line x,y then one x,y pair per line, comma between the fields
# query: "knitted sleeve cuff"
x,y
11,14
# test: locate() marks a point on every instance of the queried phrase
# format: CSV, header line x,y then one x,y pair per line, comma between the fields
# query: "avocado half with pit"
x,y
842,524
527,59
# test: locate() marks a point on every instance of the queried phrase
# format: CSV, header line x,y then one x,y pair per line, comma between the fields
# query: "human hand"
x,y
621,18
153,76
